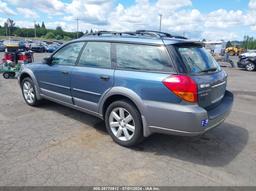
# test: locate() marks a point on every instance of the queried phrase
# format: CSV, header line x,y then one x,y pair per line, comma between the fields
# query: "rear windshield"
x,y
198,60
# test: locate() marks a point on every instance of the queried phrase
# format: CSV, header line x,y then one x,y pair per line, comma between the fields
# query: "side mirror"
x,y
48,60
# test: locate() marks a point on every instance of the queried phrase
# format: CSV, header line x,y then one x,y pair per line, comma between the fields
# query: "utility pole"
x,y
9,29
77,27
35,27
160,24
6,30
9,34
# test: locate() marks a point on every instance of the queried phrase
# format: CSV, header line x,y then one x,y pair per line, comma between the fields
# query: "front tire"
x,y
6,75
29,92
124,124
250,67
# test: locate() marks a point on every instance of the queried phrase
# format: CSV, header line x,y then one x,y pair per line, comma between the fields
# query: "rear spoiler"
x,y
189,43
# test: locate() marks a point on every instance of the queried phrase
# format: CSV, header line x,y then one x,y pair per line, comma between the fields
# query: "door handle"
x,y
65,72
104,77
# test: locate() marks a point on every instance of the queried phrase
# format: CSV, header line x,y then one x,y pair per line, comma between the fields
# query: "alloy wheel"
x,y
28,92
250,67
122,124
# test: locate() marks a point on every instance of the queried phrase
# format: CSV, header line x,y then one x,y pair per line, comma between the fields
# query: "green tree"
x,y
229,44
50,35
249,42
43,25
58,37
41,31
58,28
10,24
66,38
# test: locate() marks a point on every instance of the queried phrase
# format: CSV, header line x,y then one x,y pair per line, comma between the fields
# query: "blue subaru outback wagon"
x,y
140,83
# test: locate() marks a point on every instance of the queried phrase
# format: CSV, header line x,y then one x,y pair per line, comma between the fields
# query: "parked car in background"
x,y
248,54
52,47
37,47
248,63
2,47
24,45
140,83
248,60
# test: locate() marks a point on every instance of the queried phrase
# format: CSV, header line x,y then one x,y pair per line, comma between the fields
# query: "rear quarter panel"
x,y
148,86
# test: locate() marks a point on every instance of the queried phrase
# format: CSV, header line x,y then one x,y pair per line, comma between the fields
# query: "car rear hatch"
x,y
211,80
211,89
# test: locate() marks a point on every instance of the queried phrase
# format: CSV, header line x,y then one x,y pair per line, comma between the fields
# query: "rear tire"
x,y
29,92
124,124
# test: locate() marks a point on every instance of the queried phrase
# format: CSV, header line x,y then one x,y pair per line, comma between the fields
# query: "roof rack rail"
x,y
159,34
155,33
100,33
151,33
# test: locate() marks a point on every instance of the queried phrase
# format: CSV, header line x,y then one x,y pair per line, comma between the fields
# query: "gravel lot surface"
x,y
56,146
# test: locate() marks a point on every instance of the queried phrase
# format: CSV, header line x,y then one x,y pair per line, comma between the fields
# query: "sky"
x,y
197,19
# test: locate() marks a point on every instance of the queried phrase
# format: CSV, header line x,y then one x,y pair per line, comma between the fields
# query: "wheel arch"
x,y
28,73
23,76
119,93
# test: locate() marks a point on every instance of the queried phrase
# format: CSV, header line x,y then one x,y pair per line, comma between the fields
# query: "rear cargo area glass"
x,y
197,59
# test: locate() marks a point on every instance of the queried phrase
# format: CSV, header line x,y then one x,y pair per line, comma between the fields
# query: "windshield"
x,y
198,60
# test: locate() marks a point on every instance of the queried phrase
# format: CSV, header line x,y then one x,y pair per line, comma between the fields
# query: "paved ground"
x,y
54,145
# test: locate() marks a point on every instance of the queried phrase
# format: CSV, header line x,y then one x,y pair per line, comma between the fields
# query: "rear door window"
x,y
197,59
142,57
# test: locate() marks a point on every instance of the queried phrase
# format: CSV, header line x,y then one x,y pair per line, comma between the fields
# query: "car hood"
x,y
248,54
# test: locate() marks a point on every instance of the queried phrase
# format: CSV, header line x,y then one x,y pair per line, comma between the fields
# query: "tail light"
x,y
22,57
182,86
8,57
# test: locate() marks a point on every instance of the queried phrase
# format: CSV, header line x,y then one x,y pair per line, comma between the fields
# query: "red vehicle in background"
x,y
13,58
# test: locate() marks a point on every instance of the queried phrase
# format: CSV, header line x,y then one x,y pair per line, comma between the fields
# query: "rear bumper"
x,y
185,120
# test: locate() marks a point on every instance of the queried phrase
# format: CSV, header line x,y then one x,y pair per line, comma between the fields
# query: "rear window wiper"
x,y
209,70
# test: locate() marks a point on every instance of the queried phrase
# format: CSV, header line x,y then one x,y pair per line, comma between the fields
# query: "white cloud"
x,y
93,11
5,9
47,6
28,13
251,15
252,4
224,19
172,4
24,23
181,18
183,21
178,16
146,15
219,35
